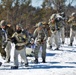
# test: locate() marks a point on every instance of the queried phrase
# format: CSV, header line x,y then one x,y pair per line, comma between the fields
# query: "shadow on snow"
x,y
42,66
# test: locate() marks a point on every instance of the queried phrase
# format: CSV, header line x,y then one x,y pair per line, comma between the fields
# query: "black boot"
x,y
14,67
36,61
8,60
70,44
0,63
62,42
43,61
57,48
26,65
50,47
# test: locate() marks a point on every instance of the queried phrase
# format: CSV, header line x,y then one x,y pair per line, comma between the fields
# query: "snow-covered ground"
x,y
58,62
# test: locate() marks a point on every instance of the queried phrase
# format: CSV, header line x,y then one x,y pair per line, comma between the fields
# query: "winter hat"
x,y
39,24
19,25
3,23
73,14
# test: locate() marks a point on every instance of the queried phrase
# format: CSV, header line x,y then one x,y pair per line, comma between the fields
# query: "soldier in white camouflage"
x,y
54,24
10,31
72,23
3,38
6,32
40,41
20,40
47,31
62,28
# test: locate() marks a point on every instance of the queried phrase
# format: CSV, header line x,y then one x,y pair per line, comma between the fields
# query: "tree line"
x,y
21,11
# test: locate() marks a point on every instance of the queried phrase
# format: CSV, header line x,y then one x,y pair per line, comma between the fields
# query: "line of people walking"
x,y
54,29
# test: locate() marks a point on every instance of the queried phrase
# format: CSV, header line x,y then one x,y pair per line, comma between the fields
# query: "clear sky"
x,y
37,3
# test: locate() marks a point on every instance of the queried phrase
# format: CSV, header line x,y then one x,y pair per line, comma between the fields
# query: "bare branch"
x,y
70,2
